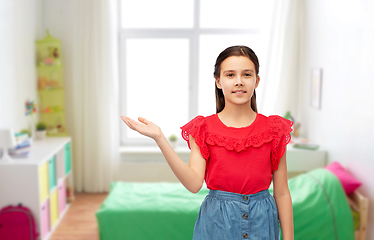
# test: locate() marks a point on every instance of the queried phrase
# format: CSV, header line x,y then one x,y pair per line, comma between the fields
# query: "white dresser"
x,y
39,182
303,160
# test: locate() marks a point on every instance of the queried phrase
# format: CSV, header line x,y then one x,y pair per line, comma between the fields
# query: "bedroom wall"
x,y
20,24
338,37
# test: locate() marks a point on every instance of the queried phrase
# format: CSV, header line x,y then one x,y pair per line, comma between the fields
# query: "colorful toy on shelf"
x,y
48,61
52,109
49,77
55,53
55,122
49,49
45,84
30,107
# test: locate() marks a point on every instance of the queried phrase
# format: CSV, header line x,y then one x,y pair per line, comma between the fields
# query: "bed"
x,y
360,207
165,211
139,211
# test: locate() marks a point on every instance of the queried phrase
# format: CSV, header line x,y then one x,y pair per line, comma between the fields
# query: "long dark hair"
x,y
228,52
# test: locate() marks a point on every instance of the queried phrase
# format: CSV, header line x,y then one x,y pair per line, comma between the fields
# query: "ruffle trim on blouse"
x,y
197,128
239,144
278,134
280,128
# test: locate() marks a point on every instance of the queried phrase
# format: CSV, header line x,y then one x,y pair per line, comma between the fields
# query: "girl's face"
x,y
238,79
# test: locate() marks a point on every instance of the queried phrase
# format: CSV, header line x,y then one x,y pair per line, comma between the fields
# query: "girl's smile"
x,y
239,92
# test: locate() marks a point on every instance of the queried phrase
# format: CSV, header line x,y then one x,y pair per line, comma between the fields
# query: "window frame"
x,y
193,35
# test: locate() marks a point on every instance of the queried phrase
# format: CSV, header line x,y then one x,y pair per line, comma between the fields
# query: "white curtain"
x,y
95,99
277,91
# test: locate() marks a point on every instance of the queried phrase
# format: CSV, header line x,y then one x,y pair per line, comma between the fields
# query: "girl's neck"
x,y
238,116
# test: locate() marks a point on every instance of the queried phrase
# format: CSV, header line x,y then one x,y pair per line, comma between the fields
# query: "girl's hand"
x,y
145,128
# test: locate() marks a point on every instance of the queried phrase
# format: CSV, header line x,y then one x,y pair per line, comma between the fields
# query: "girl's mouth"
x,y
239,92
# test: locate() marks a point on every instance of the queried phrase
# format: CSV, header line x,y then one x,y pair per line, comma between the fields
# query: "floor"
x,y
79,222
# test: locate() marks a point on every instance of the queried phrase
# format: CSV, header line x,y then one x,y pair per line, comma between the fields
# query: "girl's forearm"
x,y
284,205
182,171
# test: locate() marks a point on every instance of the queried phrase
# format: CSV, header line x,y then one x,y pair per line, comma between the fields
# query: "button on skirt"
x,y
230,216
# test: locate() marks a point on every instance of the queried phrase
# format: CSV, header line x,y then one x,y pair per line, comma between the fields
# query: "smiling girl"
x,y
238,153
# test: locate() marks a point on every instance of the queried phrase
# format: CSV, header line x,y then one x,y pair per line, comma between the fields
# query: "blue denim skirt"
x,y
229,216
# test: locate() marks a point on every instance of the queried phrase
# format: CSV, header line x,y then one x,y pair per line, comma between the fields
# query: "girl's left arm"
x,y
282,198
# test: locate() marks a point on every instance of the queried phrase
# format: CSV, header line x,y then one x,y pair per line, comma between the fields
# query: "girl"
x,y
238,152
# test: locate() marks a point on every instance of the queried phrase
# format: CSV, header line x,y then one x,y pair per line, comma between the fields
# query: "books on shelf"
x,y
23,146
22,155
303,143
21,137
23,150
26,143
308,146
15,155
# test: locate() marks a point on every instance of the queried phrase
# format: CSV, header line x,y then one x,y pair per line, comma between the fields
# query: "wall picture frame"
x,y
316,88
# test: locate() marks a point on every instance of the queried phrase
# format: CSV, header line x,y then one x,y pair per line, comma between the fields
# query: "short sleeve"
x,y
197,128
280,129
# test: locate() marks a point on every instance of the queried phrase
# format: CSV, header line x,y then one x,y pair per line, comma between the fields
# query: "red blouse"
x,y
239,160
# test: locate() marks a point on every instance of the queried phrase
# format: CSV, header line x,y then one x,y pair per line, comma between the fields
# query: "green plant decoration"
x,y
173,138
40,126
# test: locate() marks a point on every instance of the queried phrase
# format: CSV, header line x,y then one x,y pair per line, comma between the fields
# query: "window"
x,y
167,54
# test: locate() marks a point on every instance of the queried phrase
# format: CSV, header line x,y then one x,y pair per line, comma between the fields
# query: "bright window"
x,y
167,54
158,74
157,14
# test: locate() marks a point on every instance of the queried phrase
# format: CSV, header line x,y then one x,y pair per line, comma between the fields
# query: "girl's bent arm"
x,y
192,175
283,200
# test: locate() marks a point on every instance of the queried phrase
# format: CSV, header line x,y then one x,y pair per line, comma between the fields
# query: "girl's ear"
x,y
257,81
218,83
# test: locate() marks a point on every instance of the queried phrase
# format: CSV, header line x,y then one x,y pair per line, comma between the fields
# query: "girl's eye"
x,y
230,75
247,75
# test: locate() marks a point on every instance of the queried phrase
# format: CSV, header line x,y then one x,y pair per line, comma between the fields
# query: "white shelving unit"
x,y
39,182
303,160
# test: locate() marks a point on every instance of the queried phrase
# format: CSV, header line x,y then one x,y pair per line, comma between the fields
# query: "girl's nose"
x,y
239,82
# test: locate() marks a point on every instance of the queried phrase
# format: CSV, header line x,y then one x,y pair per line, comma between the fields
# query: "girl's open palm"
x,y
145,127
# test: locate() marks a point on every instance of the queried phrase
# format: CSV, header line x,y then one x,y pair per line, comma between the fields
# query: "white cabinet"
x,y
303,160
39,182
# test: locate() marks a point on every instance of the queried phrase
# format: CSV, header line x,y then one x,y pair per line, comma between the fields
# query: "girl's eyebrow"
x,y
245,70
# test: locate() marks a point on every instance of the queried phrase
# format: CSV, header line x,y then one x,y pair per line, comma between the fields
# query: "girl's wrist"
x,y
158,138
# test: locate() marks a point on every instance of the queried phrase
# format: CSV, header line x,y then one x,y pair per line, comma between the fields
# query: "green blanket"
x,y
136,211
162,211
320,207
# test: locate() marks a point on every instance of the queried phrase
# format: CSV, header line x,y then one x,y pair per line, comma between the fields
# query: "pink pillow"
x,y
350,184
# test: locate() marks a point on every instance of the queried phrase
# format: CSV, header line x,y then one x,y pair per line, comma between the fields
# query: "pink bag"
x,y
17,223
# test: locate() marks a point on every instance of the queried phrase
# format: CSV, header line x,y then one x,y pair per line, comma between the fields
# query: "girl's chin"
x,y
240,103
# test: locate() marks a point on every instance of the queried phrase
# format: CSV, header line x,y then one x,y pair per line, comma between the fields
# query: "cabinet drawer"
x,y
61,197
54,208
67,158
60,163
44,224
43,182
52,172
